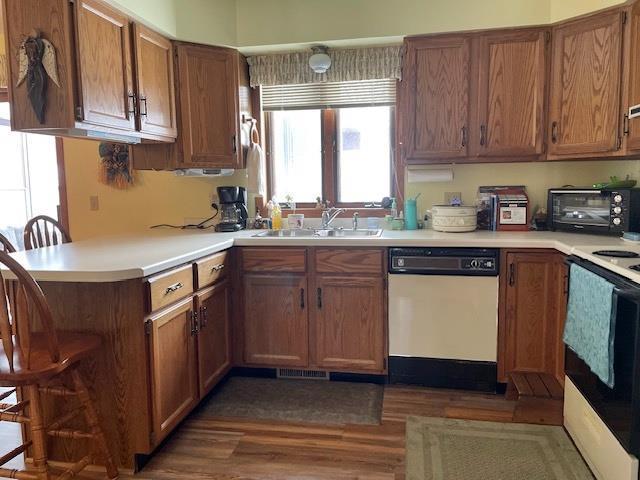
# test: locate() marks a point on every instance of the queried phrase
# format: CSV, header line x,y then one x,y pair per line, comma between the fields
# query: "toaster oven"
x,y
594,210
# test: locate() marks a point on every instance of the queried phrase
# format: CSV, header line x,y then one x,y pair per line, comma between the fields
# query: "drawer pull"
x,y
217,268
319,297
173,288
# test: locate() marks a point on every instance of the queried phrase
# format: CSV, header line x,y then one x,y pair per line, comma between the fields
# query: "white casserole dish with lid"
x,y
451,218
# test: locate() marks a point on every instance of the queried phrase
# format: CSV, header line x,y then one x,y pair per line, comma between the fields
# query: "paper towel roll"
x,y
421,174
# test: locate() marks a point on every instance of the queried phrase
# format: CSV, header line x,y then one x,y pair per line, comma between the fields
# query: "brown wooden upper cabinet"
x,y
105,82
155,83
212,83
631,128
213,95
103,90
586,79
511,93
437,75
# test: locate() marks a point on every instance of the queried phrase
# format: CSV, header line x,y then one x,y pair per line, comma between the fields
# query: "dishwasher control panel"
x,y
444,261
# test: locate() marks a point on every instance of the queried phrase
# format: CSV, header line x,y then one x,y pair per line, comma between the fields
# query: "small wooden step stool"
x,y
533,384
539,398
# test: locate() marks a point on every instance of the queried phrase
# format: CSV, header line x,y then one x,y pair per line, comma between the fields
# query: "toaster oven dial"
x,y
617,210
617,198
617,221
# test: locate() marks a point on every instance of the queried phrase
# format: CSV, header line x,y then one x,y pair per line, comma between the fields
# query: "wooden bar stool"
x,y
43,231
44,362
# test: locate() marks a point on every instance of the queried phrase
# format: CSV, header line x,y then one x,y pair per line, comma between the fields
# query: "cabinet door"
x,y
511,94
633,79
349,323
104,64
214,341
155,83
437,87
172,348
208,106
533,301
586,76
276,320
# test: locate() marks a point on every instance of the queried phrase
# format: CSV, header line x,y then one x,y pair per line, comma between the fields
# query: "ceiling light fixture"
x,y
319,61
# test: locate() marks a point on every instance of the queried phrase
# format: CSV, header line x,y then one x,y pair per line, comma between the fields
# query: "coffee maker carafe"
x,y
233,209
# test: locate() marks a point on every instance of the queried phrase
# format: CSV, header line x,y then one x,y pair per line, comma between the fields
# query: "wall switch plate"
x,y
453,198
94,203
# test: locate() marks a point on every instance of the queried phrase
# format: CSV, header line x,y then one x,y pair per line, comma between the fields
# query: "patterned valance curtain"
x,y
347,65
4,72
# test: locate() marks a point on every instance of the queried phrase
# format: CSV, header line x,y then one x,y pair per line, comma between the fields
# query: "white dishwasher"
x,y
443,317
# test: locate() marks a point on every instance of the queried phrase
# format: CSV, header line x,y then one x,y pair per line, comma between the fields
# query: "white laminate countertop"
x,y
137,255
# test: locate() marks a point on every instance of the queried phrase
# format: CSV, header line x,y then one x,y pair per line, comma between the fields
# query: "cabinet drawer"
x,y
347,260
211,269
166,288
293,260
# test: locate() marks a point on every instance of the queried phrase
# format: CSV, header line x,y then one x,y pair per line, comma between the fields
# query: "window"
x,y
28,178
344,155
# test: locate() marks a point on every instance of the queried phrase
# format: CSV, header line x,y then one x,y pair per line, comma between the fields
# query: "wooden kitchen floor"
x,y
224,449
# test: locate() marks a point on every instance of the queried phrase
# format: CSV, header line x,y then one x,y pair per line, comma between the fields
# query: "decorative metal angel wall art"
x,y
37,61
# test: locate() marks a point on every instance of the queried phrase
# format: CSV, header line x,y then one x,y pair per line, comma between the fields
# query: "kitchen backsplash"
x,y
537,176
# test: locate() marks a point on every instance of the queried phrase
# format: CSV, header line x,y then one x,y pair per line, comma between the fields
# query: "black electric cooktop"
x,y
616,253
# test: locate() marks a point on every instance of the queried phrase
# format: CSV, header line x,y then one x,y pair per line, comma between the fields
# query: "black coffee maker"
x,y
233,209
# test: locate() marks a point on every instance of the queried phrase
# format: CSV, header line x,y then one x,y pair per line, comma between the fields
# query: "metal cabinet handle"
x,y
625,123
319,292
217,268
132,104
302,298
554,132
203,317
173,288
566,286
193,319
483,133
234,144
464,136
143,100
512,274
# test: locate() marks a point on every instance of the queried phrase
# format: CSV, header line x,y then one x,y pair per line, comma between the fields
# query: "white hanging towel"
x,y
256,170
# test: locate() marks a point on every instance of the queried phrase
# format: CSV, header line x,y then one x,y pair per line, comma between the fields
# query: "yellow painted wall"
x,y
538,177
158,14
563,9
272,22
208,21
157,197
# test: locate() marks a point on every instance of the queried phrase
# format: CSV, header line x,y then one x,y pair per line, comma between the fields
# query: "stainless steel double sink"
x,y
320,233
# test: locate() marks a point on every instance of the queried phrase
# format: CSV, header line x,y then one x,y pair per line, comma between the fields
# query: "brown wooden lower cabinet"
x,y
295,316
532,310
349,322
276,320
174,377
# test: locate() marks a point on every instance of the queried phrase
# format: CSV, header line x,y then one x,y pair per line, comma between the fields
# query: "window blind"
x,y
329,95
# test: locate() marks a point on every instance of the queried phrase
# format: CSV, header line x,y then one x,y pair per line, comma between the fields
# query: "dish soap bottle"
x,y
394,208
276,217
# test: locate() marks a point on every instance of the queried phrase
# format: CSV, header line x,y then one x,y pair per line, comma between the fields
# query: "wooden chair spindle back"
x,y
15,315
44,231
5,245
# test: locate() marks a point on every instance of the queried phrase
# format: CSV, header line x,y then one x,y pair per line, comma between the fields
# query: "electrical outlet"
x,y
94,203
453,198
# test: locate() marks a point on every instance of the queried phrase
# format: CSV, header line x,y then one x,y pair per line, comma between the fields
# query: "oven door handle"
x,y
623,287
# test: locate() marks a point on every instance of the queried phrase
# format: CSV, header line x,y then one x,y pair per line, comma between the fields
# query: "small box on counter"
x,y
504,207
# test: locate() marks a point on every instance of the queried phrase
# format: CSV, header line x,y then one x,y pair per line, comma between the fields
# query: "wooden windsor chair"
x,y
5,245
44,362
43,231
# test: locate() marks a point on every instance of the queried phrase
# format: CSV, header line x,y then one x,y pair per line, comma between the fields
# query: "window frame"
x,y
329,158
63,206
